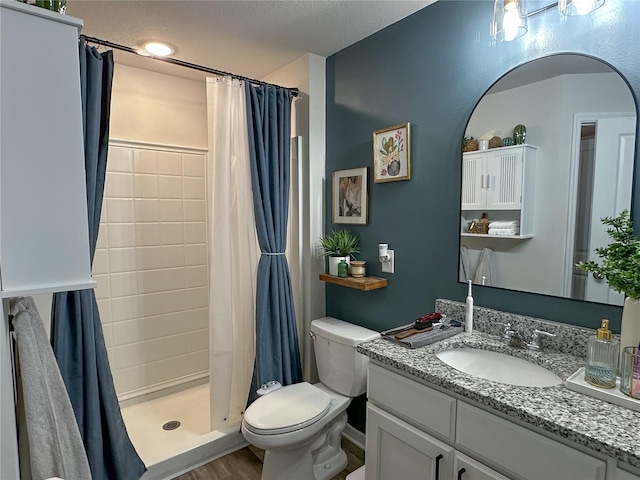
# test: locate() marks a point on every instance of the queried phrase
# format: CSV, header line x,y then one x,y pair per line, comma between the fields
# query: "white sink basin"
x,y
499,367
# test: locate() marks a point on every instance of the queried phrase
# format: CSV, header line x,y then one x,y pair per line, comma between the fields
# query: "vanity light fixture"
x,y
578,7
510,16
158,49
509,20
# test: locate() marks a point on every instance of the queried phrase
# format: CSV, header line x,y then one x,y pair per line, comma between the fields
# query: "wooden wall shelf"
x,y
360,283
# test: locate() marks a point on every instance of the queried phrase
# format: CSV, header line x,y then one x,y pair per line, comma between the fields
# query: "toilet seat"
x,y
287,409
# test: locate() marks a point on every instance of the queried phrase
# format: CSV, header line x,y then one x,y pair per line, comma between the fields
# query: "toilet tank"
x,y
340,366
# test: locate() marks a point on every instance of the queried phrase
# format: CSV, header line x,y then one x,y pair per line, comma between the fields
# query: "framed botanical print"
x,y
391,155
349,196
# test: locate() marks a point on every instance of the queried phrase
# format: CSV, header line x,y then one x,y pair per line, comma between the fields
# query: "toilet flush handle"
x,y
313,336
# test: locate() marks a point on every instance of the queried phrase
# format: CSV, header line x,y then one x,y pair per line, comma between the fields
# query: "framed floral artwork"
x,y
391,156
349,196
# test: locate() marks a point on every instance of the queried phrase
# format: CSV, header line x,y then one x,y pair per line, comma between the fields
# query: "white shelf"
x,y
485,235
25,292
44,13
577,383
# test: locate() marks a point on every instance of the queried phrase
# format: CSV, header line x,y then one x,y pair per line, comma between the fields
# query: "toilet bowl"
x,y
300,430
300,426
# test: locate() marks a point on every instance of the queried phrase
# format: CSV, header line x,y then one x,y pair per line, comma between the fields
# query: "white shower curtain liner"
x,y
233,252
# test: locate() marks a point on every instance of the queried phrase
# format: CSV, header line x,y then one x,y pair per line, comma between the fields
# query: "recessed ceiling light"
x,y
159,49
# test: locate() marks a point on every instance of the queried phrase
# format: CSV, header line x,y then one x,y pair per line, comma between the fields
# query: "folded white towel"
x,y
503,231
505,224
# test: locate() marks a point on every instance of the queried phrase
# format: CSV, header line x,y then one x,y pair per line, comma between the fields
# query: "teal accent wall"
x,y
430,69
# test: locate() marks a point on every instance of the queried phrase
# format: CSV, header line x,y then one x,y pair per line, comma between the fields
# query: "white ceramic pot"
x,y
630,328
333,264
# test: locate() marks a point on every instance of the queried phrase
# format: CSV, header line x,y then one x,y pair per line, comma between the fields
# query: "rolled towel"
x,y
505,224
503,231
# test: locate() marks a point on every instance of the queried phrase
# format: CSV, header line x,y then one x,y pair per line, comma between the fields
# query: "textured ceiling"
x,y
249,38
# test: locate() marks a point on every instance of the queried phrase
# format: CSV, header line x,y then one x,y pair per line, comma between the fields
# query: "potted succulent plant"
x,y
339,245
621,269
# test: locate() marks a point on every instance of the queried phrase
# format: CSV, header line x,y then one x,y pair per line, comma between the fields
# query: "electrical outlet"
x,y
387,267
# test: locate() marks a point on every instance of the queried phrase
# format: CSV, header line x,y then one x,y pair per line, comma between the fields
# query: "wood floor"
x,y
246,464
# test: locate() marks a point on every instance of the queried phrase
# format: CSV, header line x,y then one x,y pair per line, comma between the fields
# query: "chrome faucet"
x,y
511,337
515,339
534,344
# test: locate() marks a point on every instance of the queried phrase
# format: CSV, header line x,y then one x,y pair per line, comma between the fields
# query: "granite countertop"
x,y
584,420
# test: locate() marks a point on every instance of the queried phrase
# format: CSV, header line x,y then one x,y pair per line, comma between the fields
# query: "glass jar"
x,y
357,268
630,372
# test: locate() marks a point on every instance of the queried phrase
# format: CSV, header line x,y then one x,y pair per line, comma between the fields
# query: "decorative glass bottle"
x,y
343,269
602,358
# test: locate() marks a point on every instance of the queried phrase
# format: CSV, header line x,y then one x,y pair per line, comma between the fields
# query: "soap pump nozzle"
x,y
603,333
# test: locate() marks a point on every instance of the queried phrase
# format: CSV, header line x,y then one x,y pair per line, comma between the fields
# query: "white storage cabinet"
x,y
500,182
44,239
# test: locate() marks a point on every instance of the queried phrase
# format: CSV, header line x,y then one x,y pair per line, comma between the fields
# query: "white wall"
x,y
307,73
546,108
151,268
152,107
151,259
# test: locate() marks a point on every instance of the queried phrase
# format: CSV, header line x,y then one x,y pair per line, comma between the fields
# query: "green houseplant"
x,y
620,258
620,267
338,245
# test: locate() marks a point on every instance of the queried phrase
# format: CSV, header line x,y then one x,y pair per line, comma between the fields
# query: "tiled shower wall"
x,y
151,267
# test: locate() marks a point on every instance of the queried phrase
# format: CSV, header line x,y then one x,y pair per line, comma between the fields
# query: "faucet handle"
x,y
506,333
535,339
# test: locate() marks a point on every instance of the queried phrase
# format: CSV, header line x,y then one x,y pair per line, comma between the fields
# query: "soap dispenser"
x,y
602,358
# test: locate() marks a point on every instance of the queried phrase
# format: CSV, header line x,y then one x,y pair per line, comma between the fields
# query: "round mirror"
x,y
552,153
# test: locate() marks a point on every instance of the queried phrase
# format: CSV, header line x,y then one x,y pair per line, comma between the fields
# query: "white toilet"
x,y
300,426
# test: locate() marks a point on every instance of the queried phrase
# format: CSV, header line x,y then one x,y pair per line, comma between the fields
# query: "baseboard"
x,y
355,436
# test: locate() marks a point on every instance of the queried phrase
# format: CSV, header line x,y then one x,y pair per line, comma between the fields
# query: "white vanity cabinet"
x,y
500,182
623,475
415,431
519,450
466,468
396,449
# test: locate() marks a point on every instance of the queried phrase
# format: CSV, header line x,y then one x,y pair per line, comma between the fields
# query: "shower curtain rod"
x,y
182,63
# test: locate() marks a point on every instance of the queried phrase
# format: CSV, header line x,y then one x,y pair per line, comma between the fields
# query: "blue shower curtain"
x,y
76,331
269,125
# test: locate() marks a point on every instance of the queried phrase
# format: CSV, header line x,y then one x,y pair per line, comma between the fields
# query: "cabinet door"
x,y
473,181
622,475
406,398
527,454
397,450
44,241
503,182
466,468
